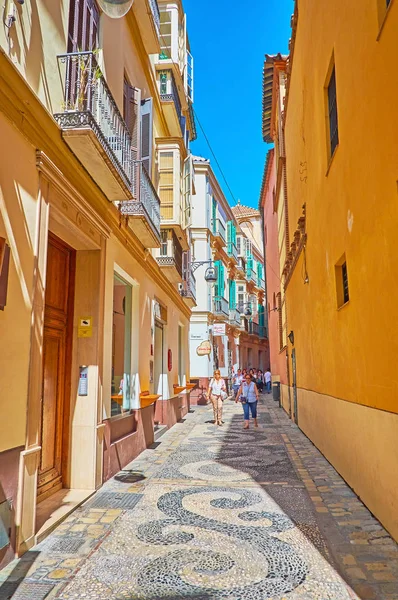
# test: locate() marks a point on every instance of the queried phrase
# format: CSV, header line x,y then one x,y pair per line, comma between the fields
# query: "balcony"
x,y
232,251
218,231
253,328
170,256
261,283
235,316
188,289
145,211
262,331
251,275
221,308
241,267
171,103
148,18
95,131
93,127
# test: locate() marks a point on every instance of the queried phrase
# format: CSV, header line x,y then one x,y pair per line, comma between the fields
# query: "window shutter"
x,y
133,123
83,26
219,287
214,215
147,134
232,294
229,232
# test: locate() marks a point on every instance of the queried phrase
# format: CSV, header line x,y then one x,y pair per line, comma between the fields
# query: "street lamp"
x,y
211,271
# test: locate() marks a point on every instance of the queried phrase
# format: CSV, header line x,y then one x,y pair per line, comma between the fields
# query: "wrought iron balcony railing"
x,y
232,251
253,328
170,252
262,331
88,103
251,275
218,229
149,203
188,289
261,283
155,14
221,307
235,316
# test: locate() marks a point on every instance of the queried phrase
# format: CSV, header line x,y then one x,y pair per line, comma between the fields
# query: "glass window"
x,y
165,34
121,347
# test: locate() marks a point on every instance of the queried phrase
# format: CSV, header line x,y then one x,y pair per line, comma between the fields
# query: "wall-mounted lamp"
x,y
211,274
291,338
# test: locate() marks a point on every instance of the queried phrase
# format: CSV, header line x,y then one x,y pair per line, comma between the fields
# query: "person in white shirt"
x,y
217,392
268,379
237,381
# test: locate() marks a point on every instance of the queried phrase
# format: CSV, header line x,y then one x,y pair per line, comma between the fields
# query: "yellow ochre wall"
x,y
18,207
346,359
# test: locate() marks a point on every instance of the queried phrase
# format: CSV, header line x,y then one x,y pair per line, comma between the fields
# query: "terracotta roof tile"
x,y
240,211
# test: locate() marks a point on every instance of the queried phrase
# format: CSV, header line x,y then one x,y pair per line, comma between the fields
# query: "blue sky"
x,y
228,41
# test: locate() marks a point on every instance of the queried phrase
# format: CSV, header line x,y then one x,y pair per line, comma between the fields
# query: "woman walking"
x,y
217,392
248,396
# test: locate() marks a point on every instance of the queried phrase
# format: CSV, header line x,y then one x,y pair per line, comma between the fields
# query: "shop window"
x,y
121,347
343,293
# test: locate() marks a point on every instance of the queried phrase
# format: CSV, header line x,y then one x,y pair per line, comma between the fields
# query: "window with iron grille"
x,y
342,289
346,295
332,111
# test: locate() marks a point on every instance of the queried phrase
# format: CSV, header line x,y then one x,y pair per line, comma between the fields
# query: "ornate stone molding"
x,y
296,247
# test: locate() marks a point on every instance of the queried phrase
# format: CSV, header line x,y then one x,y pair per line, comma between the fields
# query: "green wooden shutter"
x,y
217,264
214,215
220,279
232,294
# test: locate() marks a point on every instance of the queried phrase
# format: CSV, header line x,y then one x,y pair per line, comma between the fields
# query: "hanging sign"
x,y
219,329
204,349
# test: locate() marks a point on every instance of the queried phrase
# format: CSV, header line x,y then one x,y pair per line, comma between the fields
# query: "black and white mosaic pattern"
x,y
285,569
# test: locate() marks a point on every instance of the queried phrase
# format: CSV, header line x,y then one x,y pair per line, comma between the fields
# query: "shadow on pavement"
x,y
17,575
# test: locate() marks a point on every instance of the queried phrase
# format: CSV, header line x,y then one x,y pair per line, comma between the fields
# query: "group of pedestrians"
x,y
247,384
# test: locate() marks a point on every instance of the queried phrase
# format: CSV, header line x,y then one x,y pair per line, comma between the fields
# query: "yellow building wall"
x,y
18,205
346,358
352,208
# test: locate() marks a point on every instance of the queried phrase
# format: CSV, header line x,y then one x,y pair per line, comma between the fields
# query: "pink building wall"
x,y
272,268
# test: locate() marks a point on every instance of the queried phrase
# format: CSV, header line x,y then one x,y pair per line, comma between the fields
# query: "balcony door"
x,y
83,26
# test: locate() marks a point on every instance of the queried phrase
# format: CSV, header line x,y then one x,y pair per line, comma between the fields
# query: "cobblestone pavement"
x,y
216,513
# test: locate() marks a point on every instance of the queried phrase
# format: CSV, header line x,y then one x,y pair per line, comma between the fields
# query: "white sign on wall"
x,y
219,329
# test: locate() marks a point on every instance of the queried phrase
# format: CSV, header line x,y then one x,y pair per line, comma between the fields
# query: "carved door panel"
x,y
56,365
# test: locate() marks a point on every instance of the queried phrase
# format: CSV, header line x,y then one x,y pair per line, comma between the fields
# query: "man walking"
x,y
268,378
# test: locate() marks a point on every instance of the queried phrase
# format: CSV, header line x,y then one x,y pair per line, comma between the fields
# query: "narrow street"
x,y
216,513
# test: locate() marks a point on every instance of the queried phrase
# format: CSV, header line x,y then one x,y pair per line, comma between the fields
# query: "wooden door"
x,y
56,365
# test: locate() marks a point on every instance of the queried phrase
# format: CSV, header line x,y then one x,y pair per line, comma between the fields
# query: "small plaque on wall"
x,y
85,327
